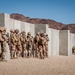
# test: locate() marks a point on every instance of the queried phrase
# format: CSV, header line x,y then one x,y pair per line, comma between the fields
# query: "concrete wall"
x,y
18,25
32,29
72,41
61,42
2,20
22,26
49,43
40,27
54,42
7,21
12,24
64,42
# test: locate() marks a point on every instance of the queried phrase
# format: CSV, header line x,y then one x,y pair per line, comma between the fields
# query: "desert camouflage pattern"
x,y
22,45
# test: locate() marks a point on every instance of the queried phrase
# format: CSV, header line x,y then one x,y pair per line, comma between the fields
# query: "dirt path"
x,y
54,65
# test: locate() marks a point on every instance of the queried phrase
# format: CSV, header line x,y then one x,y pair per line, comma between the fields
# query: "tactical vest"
x,y
17,39
12,39
23,40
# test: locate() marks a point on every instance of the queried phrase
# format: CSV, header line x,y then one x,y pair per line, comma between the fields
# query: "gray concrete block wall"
x,y
18,25
27,27
48,31
22,26
72,41
69,43
7,21
12,24
40,27
63,42
49,43
32,29
2,20
54,42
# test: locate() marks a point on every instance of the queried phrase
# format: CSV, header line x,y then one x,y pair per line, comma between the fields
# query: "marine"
x,y
1,40
36,46
12,43
24,44
29,44
42,45
18,43
4,44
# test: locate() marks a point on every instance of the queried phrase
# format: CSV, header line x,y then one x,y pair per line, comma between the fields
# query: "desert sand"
x,y
53,65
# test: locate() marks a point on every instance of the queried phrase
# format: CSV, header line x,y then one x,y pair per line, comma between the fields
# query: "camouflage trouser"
x,y
12,50
41,50
24,50
18,50
29,50
46,51
4,49
0,50
36,50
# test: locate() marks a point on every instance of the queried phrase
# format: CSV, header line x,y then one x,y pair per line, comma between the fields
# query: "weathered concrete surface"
x,y
64,42
54,42
61,42
72,41
27,27
7,21
12,24
32,29
40,27
22,26
18,25
2,21
49,43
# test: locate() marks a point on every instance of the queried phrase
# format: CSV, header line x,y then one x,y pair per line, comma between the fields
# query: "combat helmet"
x,y
23,32
38,33
1,29
16,31
43,34
4,28
29,33
11,30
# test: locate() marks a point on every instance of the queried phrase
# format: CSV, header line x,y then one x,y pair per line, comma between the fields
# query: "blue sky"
x,y
58,10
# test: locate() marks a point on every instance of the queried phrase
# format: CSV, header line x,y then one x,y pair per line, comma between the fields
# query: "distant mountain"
x,y
52,24
70,27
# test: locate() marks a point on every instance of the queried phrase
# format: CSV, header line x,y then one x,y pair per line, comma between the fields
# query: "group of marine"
x,y
22,45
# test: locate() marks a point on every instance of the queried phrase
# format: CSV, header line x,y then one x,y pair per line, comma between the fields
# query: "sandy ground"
x,y
54,65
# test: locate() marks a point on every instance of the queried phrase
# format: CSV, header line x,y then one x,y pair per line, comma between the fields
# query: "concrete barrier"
x,y
2,21
12,24
54,42
22,26
64,37
18,25
61,41
72,41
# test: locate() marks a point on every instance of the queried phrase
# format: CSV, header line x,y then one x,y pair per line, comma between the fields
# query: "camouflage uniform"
x,y
29,43
4,44
46,46
23,43
18,43
1,40
36,40
12,43
42,45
